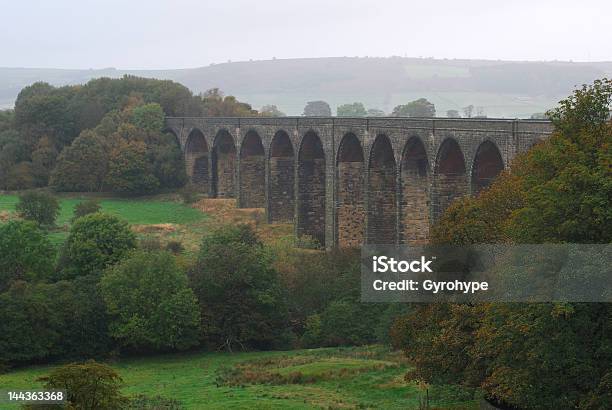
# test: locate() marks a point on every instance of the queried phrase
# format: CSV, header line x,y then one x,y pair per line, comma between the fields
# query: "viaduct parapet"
x,y
349,181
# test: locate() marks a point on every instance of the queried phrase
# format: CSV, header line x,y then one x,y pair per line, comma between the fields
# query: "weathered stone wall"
x,y
395,203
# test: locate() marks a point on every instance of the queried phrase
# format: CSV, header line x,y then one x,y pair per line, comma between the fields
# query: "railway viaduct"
x,y
349,181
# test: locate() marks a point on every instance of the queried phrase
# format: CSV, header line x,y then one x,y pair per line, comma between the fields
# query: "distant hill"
x,y
499,88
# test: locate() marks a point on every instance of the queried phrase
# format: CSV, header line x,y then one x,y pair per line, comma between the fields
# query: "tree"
x,y
239,291
468,111
552,355
150,303
216,104
25,253
88,385
95,242
416,108
375,112
38,206
129,170
271,111
453,114
148,117
91,206
317,109
351,110
82,166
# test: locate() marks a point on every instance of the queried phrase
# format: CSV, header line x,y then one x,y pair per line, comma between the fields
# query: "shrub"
x,y
38,206
175,247
25,253
142,402
95,242
88,385
91,206
150,303
239,291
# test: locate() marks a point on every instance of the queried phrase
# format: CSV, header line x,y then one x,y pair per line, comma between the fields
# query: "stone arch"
x,y
350,207
223,160
252,171
311,188
196,160
487,165
450,180
382,201
281,185
414,203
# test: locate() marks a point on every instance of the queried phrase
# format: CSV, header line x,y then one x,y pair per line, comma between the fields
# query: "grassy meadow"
x,y
368,377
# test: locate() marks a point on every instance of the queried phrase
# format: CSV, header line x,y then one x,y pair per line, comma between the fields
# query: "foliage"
x,y
215,104
143,402
317,109
271,111
88,385
375,112
148,117
95,242
38,206
152,307
25,253
91,206
351,110
238,290
548,355
129,171
416,108
453,114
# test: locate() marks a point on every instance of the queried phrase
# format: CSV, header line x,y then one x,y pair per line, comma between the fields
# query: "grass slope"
x,y
375,380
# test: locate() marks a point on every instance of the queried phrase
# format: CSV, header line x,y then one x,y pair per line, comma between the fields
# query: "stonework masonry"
x,y
348,181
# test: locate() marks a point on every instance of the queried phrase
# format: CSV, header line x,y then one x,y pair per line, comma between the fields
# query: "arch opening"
x,y
488,164
252,171
223,168
311,189
414,203
350,207
196,160
450,180
382,201
281,179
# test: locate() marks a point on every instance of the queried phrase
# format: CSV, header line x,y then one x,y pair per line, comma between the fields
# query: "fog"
x,y
189,33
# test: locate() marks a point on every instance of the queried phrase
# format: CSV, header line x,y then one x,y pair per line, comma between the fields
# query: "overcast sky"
x,y
138,34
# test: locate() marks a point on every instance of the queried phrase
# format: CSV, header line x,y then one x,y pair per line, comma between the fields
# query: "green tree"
x,y
91,206
239,291
95,242
82,166
317,109
130,172
43,160
88,385
150,303
416,108
351,110
149,117
38,206
25,253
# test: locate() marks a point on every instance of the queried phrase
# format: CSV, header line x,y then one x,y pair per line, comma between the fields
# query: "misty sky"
x,y
139,34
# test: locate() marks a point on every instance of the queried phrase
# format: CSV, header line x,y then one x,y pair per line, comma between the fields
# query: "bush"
x,y
91,206
95,242
88,385
38,206
175,247
142,402
239,291
25,253
152,307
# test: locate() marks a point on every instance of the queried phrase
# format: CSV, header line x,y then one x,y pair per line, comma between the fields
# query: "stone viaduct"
x,y
349,181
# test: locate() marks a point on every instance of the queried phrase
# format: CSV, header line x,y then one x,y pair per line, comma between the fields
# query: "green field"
x,y
150,211
363,377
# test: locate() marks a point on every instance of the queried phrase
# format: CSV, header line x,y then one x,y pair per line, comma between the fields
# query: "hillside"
x,y
501,88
